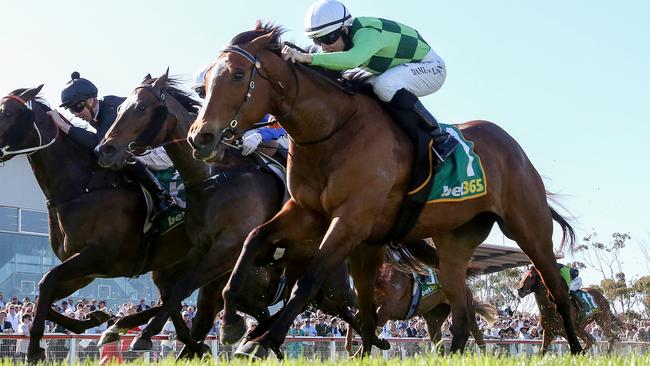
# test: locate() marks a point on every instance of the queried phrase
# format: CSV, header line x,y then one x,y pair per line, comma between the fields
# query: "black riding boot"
x,y
141,174
443,143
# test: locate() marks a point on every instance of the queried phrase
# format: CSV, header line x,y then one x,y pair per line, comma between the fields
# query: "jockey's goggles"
x,y
329,38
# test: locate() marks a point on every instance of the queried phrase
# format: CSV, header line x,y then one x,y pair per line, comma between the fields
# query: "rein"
x,y
4,151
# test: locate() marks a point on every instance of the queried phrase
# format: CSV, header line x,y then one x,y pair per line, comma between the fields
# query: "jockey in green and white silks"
x,y
402,64
573,280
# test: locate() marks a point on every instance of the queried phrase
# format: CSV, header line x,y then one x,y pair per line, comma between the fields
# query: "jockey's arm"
x,y
271,134
83,137
367,42
575,284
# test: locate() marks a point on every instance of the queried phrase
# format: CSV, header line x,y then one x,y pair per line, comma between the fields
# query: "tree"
x,y
604,257
620,295
642,289
499,287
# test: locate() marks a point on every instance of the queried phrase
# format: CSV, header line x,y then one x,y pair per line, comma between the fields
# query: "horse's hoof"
x,y
232,332
36,356
99,317
251,350
278,353
382,344
141,344
186,354
108,337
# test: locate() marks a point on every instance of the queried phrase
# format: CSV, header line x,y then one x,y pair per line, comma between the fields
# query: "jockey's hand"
x,y
294,55
250,143
59,121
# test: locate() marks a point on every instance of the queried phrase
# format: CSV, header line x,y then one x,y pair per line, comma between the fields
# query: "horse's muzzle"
x,y
108,156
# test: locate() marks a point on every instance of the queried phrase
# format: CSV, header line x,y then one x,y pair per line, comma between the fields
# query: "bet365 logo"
x,y
465,188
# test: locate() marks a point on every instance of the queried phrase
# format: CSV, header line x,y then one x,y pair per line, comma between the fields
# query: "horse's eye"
x,y
238,75
8,114
142,107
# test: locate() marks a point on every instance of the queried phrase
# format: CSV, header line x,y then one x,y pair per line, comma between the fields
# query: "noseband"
x,y
4,151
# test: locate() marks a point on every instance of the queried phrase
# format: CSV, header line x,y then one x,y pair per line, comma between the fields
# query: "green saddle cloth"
x,y
175,215
461,176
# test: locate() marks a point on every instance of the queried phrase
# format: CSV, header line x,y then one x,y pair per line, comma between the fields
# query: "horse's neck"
x,y
313,117
62,167
190,169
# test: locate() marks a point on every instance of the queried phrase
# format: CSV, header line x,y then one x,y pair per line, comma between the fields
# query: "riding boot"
x,y
141,174
443,143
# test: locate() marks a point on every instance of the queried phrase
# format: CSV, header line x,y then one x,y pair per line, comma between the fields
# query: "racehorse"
x,y
96,217
349,169
551,323
225,201
394,295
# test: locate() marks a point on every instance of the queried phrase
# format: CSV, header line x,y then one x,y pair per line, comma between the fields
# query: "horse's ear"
x,y
30,94
162,80
263,40
146,77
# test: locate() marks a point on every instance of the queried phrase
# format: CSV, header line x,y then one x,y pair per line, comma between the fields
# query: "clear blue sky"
x,y
568,79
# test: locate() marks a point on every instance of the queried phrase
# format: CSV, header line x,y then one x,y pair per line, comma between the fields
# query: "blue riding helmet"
x,y
76,90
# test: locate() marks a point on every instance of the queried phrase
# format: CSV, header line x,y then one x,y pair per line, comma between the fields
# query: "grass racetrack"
x,y
470,360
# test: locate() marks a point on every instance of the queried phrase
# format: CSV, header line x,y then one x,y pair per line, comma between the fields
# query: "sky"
x,y
569,80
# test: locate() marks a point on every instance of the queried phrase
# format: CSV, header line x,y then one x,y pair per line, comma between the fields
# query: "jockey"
x,y
252,138
79,96
378,46
572,277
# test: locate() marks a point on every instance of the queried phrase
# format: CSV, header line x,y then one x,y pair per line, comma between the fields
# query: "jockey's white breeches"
x,y
420,78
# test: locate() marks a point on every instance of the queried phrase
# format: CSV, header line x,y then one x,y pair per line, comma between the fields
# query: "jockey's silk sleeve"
x,y
270,133
366,42
83,137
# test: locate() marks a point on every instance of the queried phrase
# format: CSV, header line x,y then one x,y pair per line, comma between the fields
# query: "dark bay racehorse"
x,y
349,169
550,319
394,296
96,217
225,200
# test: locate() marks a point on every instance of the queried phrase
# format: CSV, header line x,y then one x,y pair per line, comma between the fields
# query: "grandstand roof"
x,y
493,258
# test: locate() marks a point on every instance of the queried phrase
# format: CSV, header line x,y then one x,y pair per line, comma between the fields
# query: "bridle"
x,y
153,128
228,133
4,151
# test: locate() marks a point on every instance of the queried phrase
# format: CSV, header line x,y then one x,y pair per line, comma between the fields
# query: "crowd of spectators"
x,y
16,316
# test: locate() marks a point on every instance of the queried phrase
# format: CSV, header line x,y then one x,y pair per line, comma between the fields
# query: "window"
x,y
8,218
104,292
28,287
33,221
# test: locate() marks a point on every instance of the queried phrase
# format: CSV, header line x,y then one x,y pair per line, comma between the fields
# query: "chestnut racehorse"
x,y
550,319
394,295
349,169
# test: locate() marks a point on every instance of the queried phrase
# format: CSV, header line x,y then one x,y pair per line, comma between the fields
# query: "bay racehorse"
x,y
225,201
96,217
394,294
551,322
348,171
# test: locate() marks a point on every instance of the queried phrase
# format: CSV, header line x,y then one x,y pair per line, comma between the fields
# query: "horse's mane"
x,y
275,45
173,87
40,100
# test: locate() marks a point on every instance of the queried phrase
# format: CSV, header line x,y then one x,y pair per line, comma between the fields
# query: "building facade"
x,y
25,252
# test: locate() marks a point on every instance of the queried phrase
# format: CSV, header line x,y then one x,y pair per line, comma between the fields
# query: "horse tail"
x,y
486,310
568,234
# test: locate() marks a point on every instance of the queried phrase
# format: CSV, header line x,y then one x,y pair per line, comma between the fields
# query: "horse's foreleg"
x,y
547,338
434,319
78,266
365,261
124,324
344,233
473,326
292,224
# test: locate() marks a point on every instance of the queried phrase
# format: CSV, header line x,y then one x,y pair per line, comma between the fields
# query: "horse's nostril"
x,y
204,139
107,150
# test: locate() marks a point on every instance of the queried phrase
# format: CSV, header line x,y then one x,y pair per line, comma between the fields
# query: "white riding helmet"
x,y
324,17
